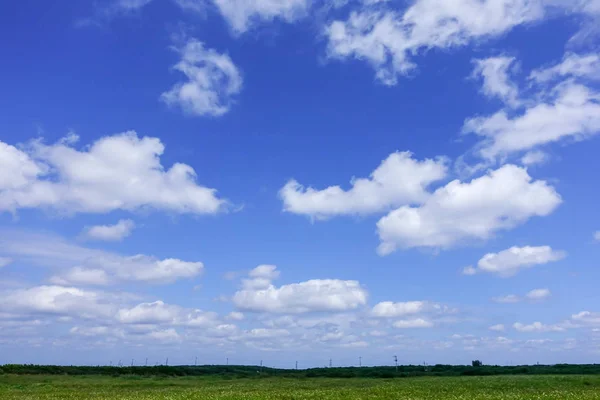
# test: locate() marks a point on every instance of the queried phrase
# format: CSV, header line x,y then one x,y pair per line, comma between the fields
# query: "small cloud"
x,y
511,298
4,261
597,236
114,233
469,270
497,328
538,294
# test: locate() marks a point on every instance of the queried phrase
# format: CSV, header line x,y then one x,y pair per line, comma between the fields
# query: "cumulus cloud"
x,y
560,104
538,294
241,14
212,82
462,211
496,80
497,328
537,327
413,323
511,298
58,300
571,111
120,172
534,157
80,265
510,261
400,179
309,296
389,39
115,232
390,309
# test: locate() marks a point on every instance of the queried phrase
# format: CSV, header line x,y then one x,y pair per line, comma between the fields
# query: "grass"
x,y
42,387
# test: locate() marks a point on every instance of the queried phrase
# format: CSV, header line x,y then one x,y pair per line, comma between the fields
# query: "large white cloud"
x,y
476,210
120,172
241,14
399,180
510,261
309,296
75,264
212,81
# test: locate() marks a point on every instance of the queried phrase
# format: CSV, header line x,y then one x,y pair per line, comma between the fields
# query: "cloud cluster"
x,y
534,295
77,265
260,295
562,105
120,172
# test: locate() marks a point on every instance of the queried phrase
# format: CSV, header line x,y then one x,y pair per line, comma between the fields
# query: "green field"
x,y
42,387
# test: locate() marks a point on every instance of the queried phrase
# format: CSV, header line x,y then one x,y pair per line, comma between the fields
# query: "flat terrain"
x,y
14,387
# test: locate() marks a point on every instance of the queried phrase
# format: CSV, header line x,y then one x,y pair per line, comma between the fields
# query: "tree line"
x,y
239,371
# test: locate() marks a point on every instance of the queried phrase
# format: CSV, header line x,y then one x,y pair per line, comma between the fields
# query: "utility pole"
x,y
227,361
146,362
167,361
396,362
296,364
110,365
330,363
260,366
360,361
132,362
196,361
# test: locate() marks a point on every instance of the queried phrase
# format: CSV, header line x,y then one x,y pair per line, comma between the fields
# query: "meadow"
x,y
47,387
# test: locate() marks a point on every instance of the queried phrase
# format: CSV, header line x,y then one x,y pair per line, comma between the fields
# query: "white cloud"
x,y
149,313
538,294
212,81
497,328
388,39
534,157
578,65
496,80
587,317
120,172
537,327
459,211
470,270
597,236
571,110
508,299
241,14
235,316
131,5
81,265
308,296
4,261
58,300
398,180
413,323
82,276
510,261
388,309
116,232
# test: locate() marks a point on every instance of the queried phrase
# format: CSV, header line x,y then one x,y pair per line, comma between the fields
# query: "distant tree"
x,y
476,363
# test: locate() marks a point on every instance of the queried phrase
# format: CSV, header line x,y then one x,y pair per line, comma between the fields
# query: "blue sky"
x,y
299,180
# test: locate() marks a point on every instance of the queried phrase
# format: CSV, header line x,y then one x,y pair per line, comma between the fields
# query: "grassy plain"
x,y
42,387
